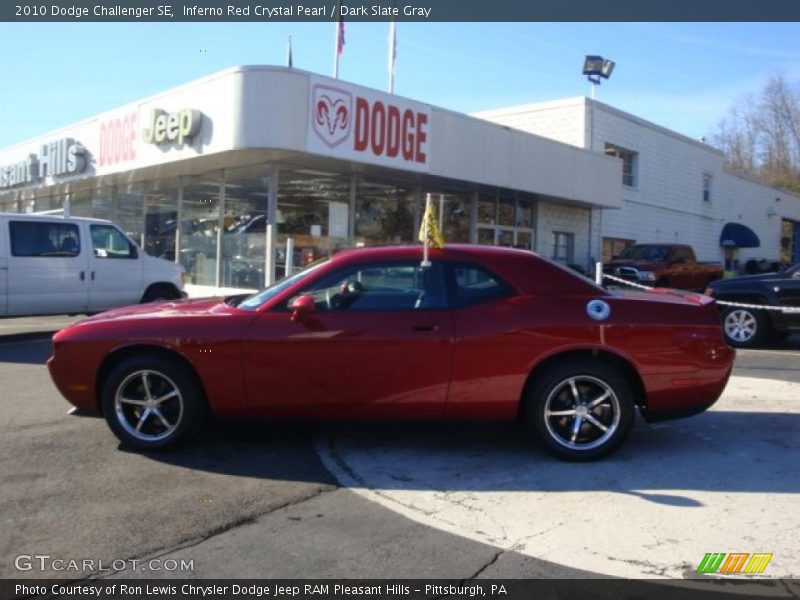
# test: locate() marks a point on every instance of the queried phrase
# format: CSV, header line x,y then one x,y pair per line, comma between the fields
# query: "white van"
x,y
64,265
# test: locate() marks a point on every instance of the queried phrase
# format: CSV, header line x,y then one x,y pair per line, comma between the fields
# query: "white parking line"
x,y
770,352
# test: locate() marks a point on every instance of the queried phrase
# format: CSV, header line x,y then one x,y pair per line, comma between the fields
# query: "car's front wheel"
x,y
152,402
582,409
744,327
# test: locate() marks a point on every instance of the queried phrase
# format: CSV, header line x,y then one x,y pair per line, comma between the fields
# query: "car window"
x,y
32,238
109,242
473,285
380,286
256,300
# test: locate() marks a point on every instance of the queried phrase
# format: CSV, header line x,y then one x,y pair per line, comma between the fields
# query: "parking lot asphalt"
x,y
261,500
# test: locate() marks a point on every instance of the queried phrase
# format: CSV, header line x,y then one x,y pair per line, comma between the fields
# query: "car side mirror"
x,y
301,307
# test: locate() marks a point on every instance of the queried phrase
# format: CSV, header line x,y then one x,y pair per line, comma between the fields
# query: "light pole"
x,y
595,67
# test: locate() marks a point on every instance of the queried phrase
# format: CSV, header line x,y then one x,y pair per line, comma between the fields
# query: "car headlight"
x,y
647,276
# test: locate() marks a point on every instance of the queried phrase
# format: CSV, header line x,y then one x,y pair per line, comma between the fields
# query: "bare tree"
x,y
761,134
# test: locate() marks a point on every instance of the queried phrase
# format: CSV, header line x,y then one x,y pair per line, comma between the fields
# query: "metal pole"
x,y
392,46
336,46
272,219
289,257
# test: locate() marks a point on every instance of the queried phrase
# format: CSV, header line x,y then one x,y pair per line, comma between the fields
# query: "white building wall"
x,y
558,217
666,203
562,120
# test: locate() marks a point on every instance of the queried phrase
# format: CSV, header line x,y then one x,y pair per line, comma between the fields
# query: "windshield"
x,y
645,253
256,300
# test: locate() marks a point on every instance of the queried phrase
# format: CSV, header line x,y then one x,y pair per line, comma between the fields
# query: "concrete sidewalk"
x,y
23,328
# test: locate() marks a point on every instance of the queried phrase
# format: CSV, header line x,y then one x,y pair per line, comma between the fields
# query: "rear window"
x,y
474,285
33,238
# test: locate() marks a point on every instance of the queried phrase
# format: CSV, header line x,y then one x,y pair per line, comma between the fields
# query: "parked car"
x,y
756,266
482,333
747,327
57,265
664,265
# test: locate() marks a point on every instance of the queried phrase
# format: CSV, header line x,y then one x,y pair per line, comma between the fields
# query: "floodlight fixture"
x,y
596,67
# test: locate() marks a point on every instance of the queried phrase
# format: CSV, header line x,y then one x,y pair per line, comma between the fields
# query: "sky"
x,y
684,76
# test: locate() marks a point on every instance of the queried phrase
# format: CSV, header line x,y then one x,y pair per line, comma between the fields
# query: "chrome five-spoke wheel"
x,y
582,408
148,405
153,400
582,412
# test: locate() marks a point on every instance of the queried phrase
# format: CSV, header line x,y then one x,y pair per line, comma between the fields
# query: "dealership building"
x,y
217,172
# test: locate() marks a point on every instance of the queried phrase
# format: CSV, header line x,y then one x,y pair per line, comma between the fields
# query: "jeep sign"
x,y
174,128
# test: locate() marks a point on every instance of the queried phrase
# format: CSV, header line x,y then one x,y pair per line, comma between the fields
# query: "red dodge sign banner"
x,y
354,123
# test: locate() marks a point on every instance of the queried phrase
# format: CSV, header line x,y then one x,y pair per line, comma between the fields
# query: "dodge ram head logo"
x,y
331,110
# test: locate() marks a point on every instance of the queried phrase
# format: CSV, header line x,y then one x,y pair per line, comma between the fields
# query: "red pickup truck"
x,y
663,265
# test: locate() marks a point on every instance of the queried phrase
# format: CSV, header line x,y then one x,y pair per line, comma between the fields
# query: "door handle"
x,y
425,328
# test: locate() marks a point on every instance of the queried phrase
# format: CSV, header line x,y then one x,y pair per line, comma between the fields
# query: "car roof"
x,y
524,270
44,217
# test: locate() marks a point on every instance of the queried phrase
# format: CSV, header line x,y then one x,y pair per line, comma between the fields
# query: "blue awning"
x,y
736,235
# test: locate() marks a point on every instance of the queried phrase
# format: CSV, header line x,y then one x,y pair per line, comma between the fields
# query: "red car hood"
x,y
174,308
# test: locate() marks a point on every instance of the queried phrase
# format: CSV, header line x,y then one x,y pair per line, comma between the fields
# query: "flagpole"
x,y
392,48
337,43
425,261
336,51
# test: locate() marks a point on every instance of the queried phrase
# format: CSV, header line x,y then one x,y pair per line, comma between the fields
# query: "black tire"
x,y
160,293
552,391
125,400
745,327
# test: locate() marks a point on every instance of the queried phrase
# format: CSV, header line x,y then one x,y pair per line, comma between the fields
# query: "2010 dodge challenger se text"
x,y
373,333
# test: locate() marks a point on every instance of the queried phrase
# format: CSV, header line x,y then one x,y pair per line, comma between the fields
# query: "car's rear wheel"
x,y
581,409
152,402
744,327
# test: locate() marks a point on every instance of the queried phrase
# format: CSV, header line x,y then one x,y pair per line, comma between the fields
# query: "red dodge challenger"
x,y
373,333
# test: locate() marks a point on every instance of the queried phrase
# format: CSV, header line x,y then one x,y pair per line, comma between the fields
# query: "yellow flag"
x,y
431,226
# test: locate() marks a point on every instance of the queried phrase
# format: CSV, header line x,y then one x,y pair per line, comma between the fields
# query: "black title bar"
x,y
400,10
400,589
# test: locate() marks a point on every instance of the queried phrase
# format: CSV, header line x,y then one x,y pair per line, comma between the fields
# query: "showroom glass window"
x,y
200,228
453,211
244,232
313,210
384,213
148,213
506,219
